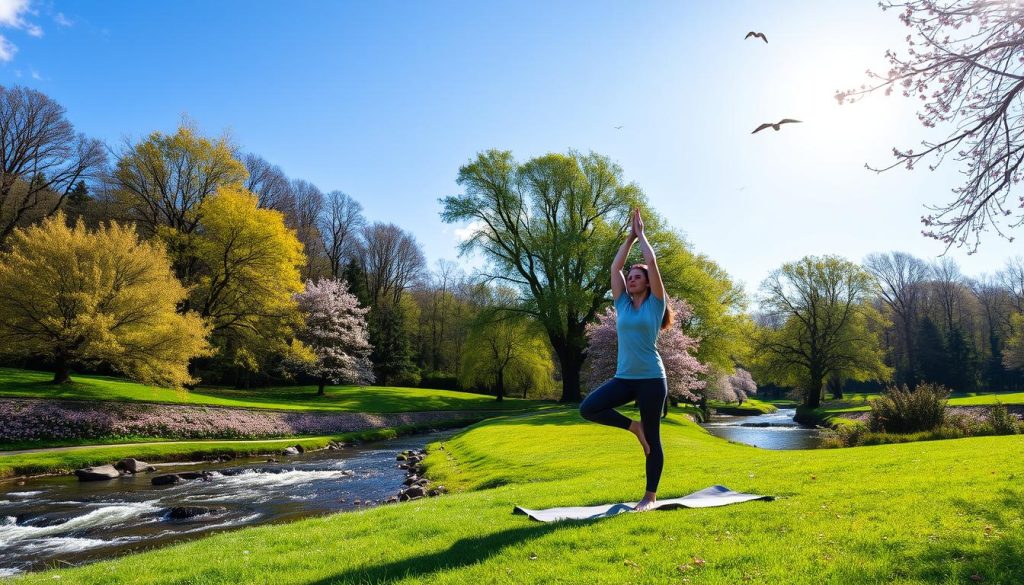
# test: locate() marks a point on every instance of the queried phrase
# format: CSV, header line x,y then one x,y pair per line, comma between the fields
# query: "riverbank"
x,y
911,513
61,460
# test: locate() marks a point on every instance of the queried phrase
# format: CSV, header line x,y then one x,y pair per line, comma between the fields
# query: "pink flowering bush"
x,y
30,419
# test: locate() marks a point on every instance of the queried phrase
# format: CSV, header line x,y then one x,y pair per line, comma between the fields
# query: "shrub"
x,y
1002,422
440,381
901,410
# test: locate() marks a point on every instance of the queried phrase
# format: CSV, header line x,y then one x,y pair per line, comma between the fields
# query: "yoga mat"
x,y
715,495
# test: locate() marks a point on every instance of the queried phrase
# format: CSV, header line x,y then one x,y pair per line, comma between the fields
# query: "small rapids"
x,y
56,521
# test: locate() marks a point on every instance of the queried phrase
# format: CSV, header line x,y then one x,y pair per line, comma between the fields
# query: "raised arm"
x,y
653,274
618,281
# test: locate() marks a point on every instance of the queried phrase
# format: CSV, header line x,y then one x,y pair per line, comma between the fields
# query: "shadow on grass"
x,y
462,553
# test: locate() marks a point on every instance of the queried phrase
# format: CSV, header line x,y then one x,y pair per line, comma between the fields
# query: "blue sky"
x,y
386,100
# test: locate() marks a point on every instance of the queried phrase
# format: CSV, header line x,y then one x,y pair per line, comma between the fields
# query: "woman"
x,y
641,310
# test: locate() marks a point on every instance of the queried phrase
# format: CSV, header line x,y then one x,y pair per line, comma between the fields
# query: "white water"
x,y
66,521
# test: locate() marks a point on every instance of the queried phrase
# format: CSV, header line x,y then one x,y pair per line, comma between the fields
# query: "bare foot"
x,y
638,429
645,504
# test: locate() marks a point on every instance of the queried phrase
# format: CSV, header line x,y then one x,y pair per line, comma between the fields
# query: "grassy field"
x,y
934,512
32,384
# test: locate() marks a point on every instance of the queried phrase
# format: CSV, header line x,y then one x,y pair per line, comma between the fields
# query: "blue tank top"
x,y
637,329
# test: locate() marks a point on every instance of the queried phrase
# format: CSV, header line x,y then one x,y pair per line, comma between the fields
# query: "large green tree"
x,y
549,227
818,322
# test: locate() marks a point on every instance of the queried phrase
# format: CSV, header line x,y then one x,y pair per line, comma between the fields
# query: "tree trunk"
x,y
813,397
835,385
571,361
62,370
501,385
320,386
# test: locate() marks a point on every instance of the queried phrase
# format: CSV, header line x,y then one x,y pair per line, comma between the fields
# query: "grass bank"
x,y
937,512
18,383
750,407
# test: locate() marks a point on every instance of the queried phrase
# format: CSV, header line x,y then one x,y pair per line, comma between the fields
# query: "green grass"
x,y
32,384
861,402
935,512
68,461
750,406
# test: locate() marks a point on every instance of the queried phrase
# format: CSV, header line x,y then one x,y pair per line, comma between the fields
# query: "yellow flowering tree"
x,y
248,272
81,297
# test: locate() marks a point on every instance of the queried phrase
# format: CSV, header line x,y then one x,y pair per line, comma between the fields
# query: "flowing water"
x,y
56,521
777,430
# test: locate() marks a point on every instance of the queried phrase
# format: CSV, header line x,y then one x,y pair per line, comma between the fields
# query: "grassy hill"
x,y
930,512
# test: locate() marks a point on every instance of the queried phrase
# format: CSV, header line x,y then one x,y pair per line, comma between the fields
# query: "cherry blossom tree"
x,y
742,384
964,62
677,350
333,345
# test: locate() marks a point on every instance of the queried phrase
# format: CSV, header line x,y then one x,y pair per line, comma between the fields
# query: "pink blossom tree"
x,y
333,345
742,384
677,350
964,62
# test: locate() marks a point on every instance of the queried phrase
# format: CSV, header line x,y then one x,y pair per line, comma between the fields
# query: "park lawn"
x,y
930,512
32,384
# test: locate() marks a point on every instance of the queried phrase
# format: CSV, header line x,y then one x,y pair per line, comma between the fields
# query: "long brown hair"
x,y
668,319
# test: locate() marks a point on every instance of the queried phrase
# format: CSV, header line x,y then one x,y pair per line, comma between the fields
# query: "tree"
x,y
678,350
248,273
162,182
392,355
548,227
333,338
391,261
932,353
818,322
742,384
900,277
1013,357
43,159
962,373
270,185
96,297
504,351
962,62
309,204
340,223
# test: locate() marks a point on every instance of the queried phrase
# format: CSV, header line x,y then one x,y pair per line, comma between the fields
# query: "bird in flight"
x,y
618,127
756,35
776,125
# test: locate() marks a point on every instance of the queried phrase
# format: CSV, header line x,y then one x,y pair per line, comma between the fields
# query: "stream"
x,y
59,521
777,430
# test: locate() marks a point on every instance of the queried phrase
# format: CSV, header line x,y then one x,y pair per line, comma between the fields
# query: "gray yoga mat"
x,y
716,495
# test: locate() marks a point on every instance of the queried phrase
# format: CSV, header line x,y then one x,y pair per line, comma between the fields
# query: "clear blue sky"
x,y
385,100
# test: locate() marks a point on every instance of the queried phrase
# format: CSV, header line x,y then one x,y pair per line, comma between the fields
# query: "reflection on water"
x,y
53,521
767,431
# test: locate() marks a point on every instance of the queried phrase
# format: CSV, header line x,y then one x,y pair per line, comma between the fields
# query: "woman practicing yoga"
x,y
641,311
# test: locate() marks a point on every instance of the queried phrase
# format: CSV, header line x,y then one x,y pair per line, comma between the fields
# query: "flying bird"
x,y
618,127
776,125
756,35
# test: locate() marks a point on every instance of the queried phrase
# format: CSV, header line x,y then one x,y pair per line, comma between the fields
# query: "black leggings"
x,y
650,394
